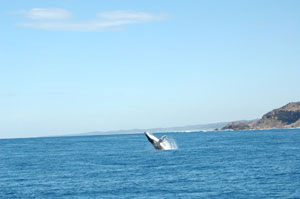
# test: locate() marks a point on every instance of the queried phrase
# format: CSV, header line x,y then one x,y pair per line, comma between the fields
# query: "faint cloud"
x,y
42,13
58,19
129,15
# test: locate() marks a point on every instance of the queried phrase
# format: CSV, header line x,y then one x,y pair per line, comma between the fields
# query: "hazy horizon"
x,y
72,67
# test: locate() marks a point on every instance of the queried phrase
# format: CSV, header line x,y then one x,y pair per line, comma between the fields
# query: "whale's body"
x,y
157,143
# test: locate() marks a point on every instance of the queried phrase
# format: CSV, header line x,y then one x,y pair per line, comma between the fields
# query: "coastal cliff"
x,y
287,116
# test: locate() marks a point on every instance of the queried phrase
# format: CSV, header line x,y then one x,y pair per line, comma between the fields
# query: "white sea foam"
x,y
170,144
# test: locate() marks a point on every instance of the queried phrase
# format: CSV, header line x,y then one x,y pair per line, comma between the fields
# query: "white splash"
x,y
169,144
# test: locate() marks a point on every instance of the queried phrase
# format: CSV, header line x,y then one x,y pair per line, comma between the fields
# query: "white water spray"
x,y
169,144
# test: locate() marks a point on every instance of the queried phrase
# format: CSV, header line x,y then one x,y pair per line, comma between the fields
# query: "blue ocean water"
x,y
240,164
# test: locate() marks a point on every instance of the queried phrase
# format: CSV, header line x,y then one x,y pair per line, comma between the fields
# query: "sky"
x,y
71,66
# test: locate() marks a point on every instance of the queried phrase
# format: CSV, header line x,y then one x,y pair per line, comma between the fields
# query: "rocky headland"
x,y
287,116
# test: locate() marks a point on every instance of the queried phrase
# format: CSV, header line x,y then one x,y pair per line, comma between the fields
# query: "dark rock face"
x,y
236,126
287,116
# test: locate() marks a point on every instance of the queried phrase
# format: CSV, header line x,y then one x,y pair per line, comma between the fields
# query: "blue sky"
x,y
80,66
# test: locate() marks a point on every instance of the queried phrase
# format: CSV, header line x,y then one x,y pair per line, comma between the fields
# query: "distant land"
x,y
189,128
287,116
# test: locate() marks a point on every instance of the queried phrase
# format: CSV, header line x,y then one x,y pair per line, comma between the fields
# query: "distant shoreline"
x,y
287,116
161,132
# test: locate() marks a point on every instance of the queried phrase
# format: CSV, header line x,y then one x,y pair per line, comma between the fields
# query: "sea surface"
x,y
224,164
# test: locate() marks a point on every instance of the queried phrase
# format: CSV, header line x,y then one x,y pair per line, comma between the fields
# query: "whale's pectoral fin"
x,y
162,138
150,140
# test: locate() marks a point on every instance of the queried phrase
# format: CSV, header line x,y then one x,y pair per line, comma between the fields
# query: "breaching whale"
x,y
157,143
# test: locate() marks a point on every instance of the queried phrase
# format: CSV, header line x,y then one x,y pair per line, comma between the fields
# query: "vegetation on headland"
x,y
287,116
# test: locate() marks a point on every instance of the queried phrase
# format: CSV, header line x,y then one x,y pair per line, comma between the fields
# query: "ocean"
x,y
223,164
